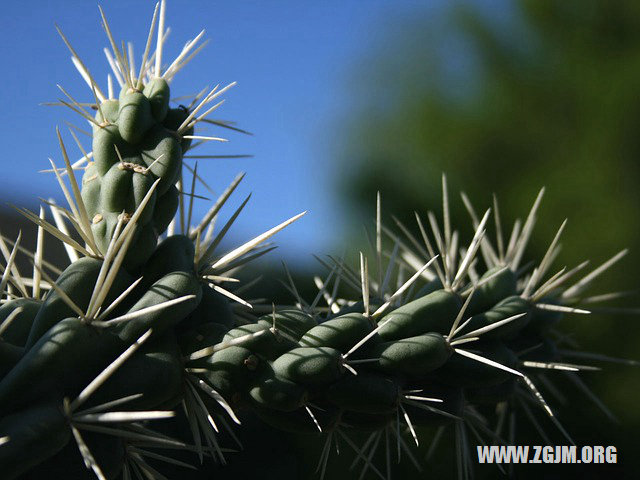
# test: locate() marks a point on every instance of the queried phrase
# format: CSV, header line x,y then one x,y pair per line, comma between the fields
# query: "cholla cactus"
x,y
138,345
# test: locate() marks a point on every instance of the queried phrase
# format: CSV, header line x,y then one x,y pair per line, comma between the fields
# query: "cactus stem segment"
x,y
144,311
108,371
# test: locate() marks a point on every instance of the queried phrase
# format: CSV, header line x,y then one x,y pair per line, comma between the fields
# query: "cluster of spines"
x,y
507,323
59,340
461,343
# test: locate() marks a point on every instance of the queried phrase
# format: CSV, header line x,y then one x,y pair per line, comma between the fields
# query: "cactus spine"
x,y
141,326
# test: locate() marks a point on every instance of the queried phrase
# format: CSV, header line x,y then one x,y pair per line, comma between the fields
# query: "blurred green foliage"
x,y
508,97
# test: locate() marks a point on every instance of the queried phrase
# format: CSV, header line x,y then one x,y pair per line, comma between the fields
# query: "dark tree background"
x,y
508,97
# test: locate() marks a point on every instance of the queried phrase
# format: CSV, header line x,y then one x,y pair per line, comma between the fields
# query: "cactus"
x,y
140,346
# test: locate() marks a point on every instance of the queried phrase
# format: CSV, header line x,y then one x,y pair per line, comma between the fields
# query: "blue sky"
x,y
294,63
